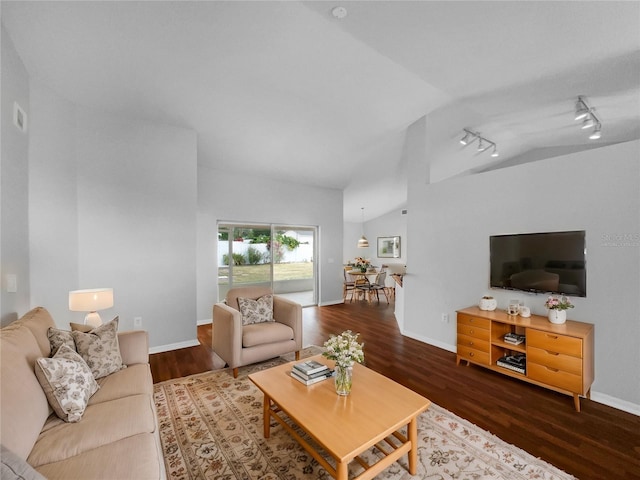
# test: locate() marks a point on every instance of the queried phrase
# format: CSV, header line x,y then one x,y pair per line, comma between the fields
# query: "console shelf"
x,y
558,357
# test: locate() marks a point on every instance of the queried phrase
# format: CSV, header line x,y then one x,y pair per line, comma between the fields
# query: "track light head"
x,y
587,123
596,134
495,152
481,147
465,140
582,113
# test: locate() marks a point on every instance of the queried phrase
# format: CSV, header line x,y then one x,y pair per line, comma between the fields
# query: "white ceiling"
x,y
285,90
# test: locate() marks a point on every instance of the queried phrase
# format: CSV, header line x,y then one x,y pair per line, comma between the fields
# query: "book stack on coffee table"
x,y
311,372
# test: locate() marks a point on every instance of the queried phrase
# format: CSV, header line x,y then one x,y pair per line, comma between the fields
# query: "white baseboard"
x,y
333,302
204,321
430,341
174,346
616,403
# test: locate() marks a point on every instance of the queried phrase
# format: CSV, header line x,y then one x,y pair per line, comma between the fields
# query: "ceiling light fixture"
x,y
363,242
483,143
589,118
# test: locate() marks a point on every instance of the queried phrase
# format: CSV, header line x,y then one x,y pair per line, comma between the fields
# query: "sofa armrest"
x,y
134,346
290,313
227,333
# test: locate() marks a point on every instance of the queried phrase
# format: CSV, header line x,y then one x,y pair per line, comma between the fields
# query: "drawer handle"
x,y
471,354
552,369
555,337
552,353
471,332
470,343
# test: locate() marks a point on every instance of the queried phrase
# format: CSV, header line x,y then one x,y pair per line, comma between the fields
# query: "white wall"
x,y
53,207
224,196
14,228
596,190
113,204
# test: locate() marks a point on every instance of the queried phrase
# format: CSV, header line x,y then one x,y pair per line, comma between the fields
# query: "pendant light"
x,y
363,242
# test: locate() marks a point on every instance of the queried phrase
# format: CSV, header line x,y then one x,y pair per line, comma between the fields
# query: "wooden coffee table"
x,y
345,427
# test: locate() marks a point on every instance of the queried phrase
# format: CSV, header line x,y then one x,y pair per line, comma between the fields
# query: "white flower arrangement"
x,y
344,349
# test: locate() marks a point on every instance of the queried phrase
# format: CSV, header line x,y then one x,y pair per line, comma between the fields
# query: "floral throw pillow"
x,y
58,337
256,311
67,382
100,348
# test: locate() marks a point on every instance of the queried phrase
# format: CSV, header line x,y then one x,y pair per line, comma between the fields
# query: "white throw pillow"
x,y
256,311
100,348
67,382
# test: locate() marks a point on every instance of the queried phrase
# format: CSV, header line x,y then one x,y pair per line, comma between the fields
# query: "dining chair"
x,y
375,287
348,285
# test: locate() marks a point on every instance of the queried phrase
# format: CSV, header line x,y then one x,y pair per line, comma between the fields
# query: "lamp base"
x,y
93,319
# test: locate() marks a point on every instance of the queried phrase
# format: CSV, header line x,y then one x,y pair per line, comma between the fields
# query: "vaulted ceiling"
x,y
287,90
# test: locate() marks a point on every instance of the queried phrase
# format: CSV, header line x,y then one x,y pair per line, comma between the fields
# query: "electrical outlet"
x,y
137,322
445,318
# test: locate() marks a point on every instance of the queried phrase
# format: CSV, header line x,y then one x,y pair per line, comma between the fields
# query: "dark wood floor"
x,y
598,443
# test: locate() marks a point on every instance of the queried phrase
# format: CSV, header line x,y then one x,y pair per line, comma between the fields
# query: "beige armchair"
x,y
239,344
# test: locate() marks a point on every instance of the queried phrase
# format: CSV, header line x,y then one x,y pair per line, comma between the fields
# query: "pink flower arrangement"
x,y
554,303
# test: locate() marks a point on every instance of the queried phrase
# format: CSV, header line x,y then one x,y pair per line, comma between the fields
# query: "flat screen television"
x,y
551,262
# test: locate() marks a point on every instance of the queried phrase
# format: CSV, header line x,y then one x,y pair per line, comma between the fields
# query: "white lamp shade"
x,y
90,300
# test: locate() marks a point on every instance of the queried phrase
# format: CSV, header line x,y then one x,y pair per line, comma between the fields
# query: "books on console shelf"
x,y
514,338
311,381
517,363
310,367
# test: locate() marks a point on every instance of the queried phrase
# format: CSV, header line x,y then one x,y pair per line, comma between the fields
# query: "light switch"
x,y
12,283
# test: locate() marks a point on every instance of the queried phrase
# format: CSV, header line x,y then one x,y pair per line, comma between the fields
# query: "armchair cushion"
x,y
256,311
262,333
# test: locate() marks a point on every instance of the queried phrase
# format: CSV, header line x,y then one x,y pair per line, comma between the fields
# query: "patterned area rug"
x,y
211,428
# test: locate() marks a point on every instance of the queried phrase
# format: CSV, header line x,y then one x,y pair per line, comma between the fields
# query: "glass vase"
x,y
343,379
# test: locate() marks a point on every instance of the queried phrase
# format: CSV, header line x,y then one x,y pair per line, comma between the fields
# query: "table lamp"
x,y
91,300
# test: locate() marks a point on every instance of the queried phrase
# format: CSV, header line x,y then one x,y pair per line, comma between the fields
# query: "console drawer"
x,y
473,321
554,342
558,361
473,342
473,331
555,377
473,355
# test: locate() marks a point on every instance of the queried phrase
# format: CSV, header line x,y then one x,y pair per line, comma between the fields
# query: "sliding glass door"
x,y
281,257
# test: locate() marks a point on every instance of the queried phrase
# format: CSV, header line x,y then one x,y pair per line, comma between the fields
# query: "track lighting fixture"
x,y
483,143
588,116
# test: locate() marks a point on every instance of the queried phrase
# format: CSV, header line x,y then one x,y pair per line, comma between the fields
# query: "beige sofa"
x,y
117,437
240,345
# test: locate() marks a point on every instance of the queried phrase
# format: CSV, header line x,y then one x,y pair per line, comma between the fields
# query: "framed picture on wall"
x,y
388,247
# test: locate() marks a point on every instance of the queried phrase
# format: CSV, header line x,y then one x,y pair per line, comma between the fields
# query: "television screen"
x,y
553,262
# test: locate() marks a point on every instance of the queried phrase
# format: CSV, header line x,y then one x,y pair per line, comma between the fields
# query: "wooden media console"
x,y
558,357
